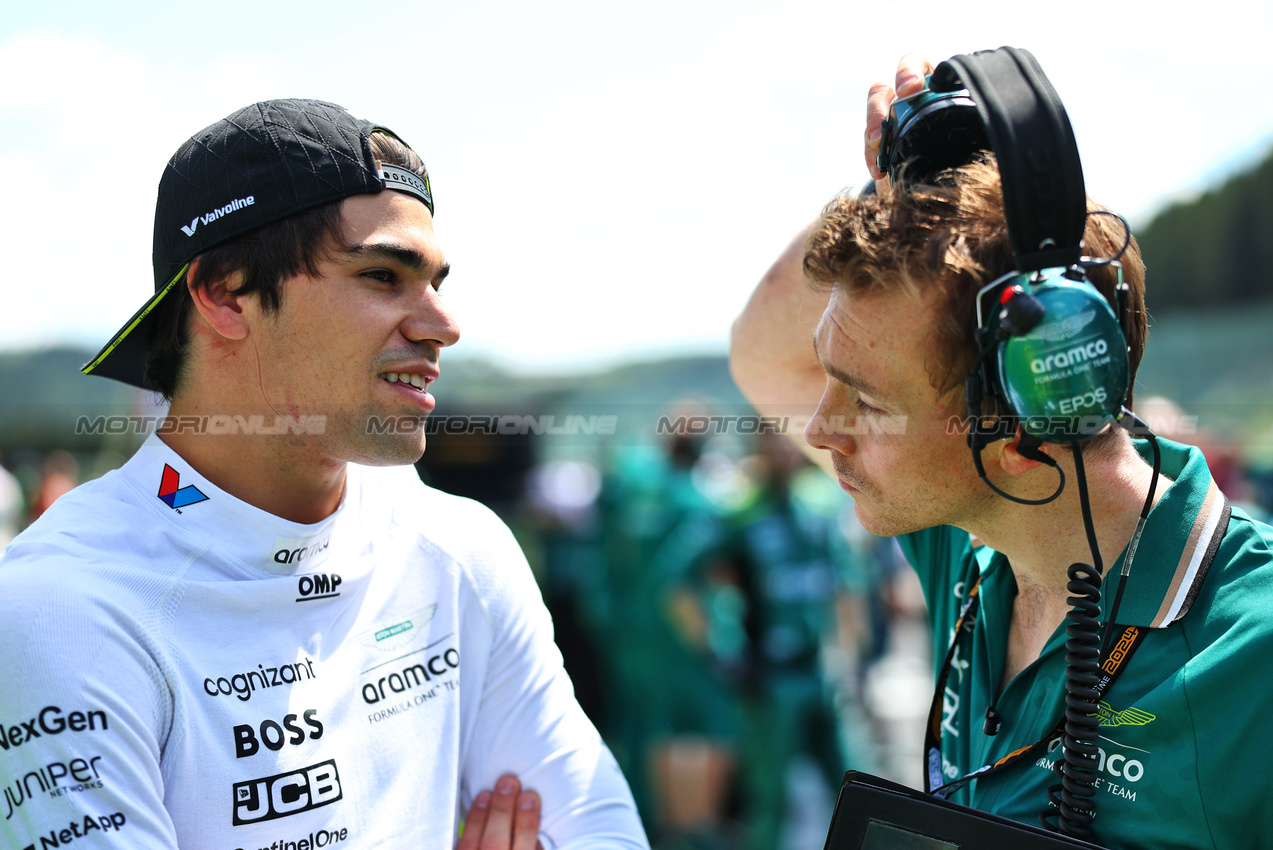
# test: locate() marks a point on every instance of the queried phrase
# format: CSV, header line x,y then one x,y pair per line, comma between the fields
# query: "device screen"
x,y
884,836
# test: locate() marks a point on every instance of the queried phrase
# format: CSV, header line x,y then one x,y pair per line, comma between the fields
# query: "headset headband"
x,y
1044,199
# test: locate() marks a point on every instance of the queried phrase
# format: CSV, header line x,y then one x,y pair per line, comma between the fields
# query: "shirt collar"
x,y
260,540
1180,539
1181,536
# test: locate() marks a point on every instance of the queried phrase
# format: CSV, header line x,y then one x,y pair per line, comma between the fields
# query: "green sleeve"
x,y
942,558
939,557
1227,688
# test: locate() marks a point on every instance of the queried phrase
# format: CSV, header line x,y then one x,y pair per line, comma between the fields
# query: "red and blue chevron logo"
x,y
175,496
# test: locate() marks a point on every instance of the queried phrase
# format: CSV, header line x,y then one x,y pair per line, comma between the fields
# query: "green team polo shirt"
x,y
1185,731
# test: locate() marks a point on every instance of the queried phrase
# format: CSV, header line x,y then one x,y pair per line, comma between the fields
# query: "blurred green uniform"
x,y
654,685
770,581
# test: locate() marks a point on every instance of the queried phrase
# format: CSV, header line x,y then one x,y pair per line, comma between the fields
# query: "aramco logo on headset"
x,y
1070,357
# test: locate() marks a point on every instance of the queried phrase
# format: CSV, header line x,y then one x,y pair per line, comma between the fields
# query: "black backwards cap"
x,y
264,163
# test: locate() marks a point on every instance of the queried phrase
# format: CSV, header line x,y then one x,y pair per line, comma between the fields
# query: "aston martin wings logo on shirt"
x,y
175,496
390,636
1127,717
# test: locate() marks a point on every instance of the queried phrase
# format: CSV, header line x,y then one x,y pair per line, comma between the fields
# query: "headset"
x,y
1051,350
1052,354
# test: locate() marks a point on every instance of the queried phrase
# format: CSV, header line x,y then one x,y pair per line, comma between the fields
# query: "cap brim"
x,y
124,357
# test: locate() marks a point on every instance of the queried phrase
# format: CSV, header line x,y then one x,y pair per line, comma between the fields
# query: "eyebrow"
x,y
849,379
408,257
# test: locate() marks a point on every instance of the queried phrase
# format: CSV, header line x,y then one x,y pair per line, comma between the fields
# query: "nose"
x,y
828,429
431,320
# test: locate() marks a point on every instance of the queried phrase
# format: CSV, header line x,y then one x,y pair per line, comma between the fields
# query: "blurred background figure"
x,y
561,517
1225,454
726,622
776,601
10,506
58,477
668,717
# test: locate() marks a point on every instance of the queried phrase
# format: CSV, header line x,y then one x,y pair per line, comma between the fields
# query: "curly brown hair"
x,y
946,240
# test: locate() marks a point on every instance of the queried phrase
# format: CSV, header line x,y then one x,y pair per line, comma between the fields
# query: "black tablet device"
x,y
875,814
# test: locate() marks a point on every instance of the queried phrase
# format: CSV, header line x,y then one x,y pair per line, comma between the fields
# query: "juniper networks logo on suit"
x,y
71,775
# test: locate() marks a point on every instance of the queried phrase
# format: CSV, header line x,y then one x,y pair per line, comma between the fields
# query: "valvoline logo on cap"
x,y
172,494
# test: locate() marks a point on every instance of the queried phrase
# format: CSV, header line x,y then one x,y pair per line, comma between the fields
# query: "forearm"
x,y
771,354
528,723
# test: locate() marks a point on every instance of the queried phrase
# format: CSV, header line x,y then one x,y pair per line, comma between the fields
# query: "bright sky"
x,y
611,178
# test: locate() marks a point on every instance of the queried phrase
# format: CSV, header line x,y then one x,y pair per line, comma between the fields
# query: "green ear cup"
x,y
1067,378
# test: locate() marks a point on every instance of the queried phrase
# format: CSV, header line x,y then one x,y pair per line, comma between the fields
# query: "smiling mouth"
x,y
418,382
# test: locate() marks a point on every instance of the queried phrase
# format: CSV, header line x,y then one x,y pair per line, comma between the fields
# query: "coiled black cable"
x,y
1072,798
1080,755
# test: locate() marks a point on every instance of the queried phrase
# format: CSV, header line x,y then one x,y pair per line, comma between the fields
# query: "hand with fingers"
x,y
911,71
507,819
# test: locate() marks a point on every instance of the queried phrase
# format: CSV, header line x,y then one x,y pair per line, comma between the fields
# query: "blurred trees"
x,y
1216,249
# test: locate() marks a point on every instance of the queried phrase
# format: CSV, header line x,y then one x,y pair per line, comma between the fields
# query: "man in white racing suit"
x,y
264,631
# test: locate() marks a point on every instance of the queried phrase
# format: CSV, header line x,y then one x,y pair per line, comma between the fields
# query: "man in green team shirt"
x,y
885,284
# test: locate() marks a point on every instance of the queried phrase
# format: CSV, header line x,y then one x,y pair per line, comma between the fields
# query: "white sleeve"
x,y
83,712
530,724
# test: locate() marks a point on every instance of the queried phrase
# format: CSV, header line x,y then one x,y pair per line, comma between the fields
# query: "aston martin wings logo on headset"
x,y
1064,329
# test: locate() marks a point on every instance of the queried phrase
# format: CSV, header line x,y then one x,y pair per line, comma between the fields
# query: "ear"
x,y
218,304
1023,453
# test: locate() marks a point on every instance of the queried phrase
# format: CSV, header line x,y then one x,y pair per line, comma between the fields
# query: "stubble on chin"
x,y
374,438
881,525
